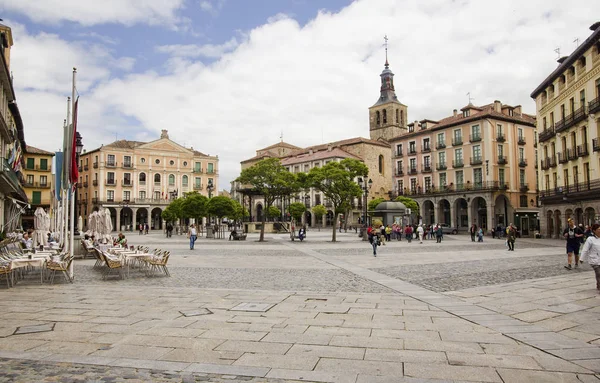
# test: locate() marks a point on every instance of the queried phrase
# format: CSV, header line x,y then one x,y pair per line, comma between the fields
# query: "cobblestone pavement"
x,y
461,275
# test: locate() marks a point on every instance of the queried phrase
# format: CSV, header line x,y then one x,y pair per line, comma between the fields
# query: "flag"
x,y
58,170
74,175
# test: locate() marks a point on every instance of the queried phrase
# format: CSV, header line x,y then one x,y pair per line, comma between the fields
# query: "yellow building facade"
x,y
136,181
568,127
37,174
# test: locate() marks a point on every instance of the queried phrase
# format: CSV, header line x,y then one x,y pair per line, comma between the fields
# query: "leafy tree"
x,y
220,207
336,181
169,215
319,211
297,209
239,211
373,203
194,206
273,212
271,180
409,203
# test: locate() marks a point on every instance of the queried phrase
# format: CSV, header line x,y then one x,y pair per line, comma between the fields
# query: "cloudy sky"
x,y
230,76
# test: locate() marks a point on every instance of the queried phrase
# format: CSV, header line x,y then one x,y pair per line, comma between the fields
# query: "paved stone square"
x,y
456,311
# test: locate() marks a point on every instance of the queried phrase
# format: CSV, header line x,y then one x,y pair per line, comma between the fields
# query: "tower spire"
x,y
385,38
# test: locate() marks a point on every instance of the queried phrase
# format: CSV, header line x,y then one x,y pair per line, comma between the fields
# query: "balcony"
x,y
562,158
211,172
547,134
426,169
596,145
197,187
594,105
458,163
500,137
572,154
475,138
197,171
398,153
457,141
522,162
111,200
95,165
560,126
441,166
502,160
127,165
461,188
110,182
552,162
502,185
524,188
412,151
80,169
126,183
86,168
110,164
440,145
583,191
400,172
476,161
412,171
521,141
95,200
9,181
577,116
95,182
85,184
582,150
426,148
46,168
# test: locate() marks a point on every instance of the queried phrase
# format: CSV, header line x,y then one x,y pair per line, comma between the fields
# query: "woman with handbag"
x,y
591,252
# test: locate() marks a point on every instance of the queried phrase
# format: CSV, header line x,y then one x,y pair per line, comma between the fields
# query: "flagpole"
x,y
65,180
72,184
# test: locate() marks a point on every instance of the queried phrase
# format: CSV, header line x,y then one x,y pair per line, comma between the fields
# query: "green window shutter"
x,y
37,198
43,164
30,163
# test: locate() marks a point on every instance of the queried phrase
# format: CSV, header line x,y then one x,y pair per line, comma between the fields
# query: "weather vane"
x,y
557,50
385,44
470,98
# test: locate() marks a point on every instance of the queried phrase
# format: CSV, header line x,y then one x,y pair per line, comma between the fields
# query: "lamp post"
x,y
78,150
210,188
365,186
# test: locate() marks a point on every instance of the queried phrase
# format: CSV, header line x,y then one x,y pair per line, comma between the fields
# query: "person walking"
x,y
147,228
373,239
421,233
480,235
192,235
573,235
473,231
141,227
169,230
511,236
382,234
439,233
591,252
408,232
388,233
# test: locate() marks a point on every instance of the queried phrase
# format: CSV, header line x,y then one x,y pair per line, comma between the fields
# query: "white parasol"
x,y
80,224
107,225
39,235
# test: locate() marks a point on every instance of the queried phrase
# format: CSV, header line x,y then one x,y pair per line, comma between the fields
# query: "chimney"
x,y
497,106
455,112
517,110
164,134
328,147
310,152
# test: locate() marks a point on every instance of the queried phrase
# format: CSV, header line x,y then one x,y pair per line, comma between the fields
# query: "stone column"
x,y
134,222
490,217
453,222
436,208
313,220
469,214
118,228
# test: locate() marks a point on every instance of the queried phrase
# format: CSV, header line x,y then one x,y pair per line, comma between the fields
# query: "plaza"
x,y
282,311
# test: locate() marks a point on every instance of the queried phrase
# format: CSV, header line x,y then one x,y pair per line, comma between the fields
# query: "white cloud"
x,y
193,50
212,6
91,12
315,82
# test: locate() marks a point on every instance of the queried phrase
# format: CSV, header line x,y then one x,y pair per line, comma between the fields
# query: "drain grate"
x,y
35,328
196,313
253,307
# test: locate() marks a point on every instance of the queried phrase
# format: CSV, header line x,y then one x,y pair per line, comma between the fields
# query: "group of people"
x,y
588,241
379,235
143,228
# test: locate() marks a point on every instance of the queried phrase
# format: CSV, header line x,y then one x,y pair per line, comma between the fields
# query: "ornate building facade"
x,y
137,180
568,126
37,173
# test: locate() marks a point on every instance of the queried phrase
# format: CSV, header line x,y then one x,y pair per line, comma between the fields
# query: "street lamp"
x,y
78,150
210,188
365,186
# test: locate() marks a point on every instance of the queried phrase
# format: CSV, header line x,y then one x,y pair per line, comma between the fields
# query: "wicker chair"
x,y
7,271
63,265
160,262
113,264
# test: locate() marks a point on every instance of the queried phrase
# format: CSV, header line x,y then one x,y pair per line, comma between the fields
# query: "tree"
x,y
271,180
220,207
273,212
373,203
297,210
336,181
194,206
168,215
319,211
239,211
409,203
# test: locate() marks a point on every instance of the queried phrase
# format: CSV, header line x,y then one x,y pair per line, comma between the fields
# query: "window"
x,y
426,145
157,178
30,163
499,129
185,163
551,118
554,180
171,162
378,118
110,195
521,154
413,164
427,161
575,175
399,149
127,178
520,133
184,180
582,98
197,167
572,105
500,150
157,195
171,180
478,177
442,179
110,160
501,177
197,182
457,135
411,128
458,155
402,117
441,138
110,178
523,201
44,180
380,164
427,183
460,178
127,161
466,113
400,186
476,131
544,123
210,168
36,198
413,185
477,152
397,119
522,177
562,112
442,158
30,179
43,164
412,147
157,161
385,116
127,195
547,181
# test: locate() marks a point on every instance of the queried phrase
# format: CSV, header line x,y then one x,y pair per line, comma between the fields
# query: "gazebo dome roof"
x,y
390,205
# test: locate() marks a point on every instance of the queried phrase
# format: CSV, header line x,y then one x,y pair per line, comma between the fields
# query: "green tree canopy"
x,y
319,210
220,207
239,211
271,180
194,206
335,180
273,212
297,209
168,215
373,203
409,203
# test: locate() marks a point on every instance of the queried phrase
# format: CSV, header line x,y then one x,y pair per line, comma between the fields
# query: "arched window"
x,y
171,179
378,117
402,118
385,116
184,180
381,164
157,178
397,119
142,178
